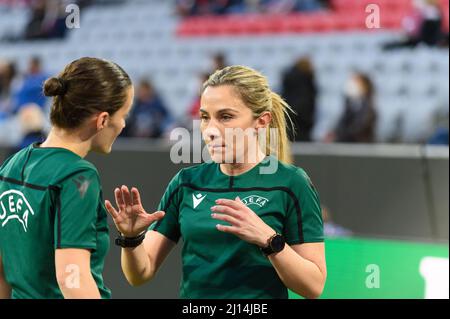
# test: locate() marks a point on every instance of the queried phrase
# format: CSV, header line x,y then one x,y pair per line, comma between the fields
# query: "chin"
x,y
102,150
220,158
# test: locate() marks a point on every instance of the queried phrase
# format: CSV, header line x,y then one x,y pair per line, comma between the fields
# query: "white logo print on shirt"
x,y
197,199
255,200
17,207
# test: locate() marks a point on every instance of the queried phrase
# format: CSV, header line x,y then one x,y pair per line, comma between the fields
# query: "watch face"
x,y
277,243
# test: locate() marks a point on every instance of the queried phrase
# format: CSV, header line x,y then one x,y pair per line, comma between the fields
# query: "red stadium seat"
x,y
345,15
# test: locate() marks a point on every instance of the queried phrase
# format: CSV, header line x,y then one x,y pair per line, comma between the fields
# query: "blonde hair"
x,y
254,90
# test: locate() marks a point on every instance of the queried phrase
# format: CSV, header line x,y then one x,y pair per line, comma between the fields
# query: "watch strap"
x,y
130,242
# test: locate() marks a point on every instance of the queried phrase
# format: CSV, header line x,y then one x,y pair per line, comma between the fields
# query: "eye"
x,y
226,117
203,117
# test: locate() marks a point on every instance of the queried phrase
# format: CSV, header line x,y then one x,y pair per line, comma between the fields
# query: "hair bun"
x,y
55,87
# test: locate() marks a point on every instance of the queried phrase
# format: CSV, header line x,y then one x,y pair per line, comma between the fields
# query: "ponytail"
x,y
280,112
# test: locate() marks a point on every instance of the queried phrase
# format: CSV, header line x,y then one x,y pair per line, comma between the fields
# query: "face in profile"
x,y
113,126
228,126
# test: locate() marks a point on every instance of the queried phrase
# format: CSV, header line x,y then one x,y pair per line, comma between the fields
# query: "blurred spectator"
x,y
194,109
423,25
217,7
27,126
149,116
205,7
30,90
32,123
286,6
440,134
219,61
300,91
8,73
47,20
357,123
331,229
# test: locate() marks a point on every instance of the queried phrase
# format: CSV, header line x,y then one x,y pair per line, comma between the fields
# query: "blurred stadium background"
x,y
373,105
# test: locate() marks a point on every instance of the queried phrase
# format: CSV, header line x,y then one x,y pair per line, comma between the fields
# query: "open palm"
x,y
131,219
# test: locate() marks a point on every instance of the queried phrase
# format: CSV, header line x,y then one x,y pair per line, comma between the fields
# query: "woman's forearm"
x,y
85,288
136,265
5,289
298,274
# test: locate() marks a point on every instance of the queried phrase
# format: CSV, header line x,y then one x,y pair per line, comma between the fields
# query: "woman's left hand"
x,y
245,224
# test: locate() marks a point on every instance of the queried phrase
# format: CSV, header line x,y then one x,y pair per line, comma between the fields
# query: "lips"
x,y
215,146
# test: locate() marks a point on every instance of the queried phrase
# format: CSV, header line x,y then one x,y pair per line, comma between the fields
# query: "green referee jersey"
x,y
50,198
220,265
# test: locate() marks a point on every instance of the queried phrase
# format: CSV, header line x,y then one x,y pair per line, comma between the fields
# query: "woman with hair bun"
x,y
54,234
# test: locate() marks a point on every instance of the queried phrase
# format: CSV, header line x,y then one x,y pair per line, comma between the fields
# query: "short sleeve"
x,y
169,225
304,222
77,208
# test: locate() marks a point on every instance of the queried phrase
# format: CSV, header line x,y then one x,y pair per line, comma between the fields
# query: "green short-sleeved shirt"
x,y
50,198
220,265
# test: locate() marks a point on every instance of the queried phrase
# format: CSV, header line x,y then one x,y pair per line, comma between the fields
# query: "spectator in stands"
x,y
219,61
357,123
286,6
149,116
194,109
300,91
32,126
30,90
7,76
209,7
205,7
423,25
47,20
441,130
330,228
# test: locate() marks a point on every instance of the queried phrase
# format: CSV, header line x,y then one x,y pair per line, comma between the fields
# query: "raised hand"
x,y
131,219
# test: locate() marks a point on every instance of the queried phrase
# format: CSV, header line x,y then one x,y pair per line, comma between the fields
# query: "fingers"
x,y
156,216
226,218
235,204
227,210
119,198
126,195
111,210
136,196
228,229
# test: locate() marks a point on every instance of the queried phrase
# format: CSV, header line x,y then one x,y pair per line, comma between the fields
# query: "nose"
x,y
211,132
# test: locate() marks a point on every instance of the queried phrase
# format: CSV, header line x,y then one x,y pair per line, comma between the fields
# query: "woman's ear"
x,y
263,121
102,120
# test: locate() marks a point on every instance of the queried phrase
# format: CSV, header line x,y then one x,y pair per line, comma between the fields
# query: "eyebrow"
x,y
220,111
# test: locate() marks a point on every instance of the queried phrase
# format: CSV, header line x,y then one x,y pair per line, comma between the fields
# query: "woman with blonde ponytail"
x,y
250,221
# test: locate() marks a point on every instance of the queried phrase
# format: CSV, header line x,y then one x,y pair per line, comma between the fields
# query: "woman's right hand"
x,y
131,219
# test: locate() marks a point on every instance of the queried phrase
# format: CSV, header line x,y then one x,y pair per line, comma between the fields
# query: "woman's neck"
x,y
234,169
73,141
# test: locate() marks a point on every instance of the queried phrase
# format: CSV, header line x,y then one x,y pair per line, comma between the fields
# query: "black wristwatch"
x,y
275,245
129,242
